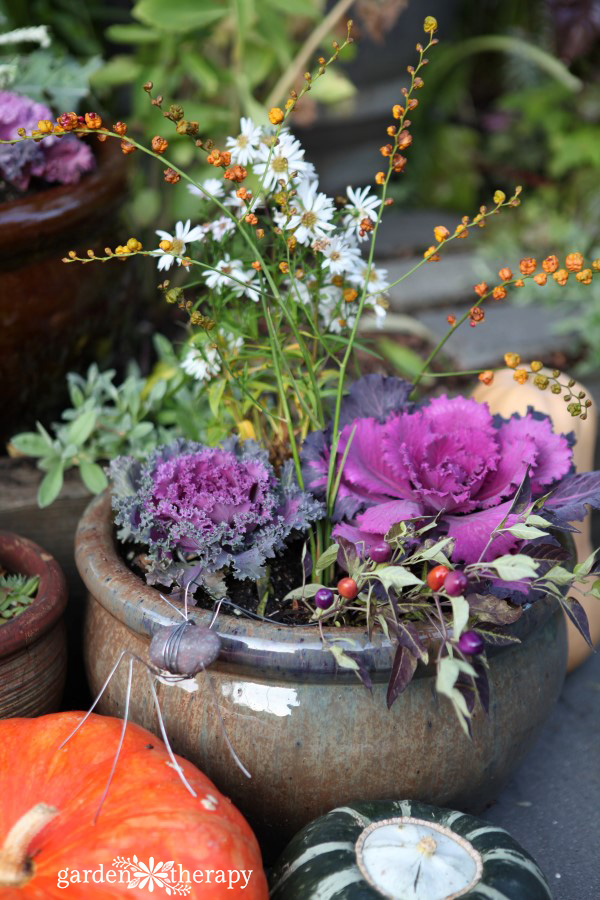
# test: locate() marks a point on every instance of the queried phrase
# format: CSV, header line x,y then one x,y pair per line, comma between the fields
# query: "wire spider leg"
x,y
95,703
163,732
121,739
236,758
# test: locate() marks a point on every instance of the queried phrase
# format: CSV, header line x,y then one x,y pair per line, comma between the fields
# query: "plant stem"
x,y
299,64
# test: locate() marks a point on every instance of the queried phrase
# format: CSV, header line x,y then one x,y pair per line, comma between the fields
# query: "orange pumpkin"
x,y
49,799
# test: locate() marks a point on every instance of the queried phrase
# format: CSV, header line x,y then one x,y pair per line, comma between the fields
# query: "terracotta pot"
x,y
314,738
60,316
33,647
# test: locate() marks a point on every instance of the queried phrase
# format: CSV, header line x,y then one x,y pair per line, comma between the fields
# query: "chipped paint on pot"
x,y
313,737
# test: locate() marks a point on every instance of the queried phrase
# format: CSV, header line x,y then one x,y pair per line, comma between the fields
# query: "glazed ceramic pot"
x,y
33,646
60,316
313,737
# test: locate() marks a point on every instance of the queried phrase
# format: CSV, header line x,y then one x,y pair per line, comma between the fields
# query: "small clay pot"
x,y
56,316
33,646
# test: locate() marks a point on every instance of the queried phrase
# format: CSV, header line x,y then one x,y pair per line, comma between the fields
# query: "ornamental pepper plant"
x,y
405,515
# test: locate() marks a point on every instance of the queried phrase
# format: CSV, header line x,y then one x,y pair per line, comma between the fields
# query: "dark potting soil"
x,y
283,574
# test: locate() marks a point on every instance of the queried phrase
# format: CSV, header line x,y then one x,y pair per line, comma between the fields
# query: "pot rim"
x,y
21,555
294,649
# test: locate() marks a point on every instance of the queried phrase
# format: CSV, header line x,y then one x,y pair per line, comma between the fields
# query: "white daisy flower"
x,y
363,205
227,273
201,365
204,364
249,291
339,256
184,234
243,148
214,186
287,157
314,213
378,283
221,227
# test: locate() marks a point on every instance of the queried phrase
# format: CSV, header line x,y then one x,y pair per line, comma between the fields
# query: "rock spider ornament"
x,y
176,653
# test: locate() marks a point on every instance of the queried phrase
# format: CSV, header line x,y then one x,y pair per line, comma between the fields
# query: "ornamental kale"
x,y
200,511
63,160
447,459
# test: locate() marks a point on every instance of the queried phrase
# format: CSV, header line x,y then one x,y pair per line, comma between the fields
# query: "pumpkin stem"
x,y
15,864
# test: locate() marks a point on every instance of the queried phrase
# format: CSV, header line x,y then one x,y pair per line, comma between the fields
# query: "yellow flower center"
x,y
279,164
309,219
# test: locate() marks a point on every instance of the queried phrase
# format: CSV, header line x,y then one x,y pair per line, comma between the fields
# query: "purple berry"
x,y
470,642
455,583
323,598
380,553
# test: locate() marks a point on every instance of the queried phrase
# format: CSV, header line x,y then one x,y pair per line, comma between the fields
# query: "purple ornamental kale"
x,y
54,159
200,510
448,458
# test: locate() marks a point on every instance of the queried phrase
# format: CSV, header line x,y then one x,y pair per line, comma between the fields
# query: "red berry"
x,y
348,588
435,578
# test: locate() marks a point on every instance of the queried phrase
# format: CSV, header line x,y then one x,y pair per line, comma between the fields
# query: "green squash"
x,y
405,850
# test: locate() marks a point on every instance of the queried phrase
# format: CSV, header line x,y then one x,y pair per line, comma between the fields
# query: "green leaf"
x,y
327,558
51,485
309,590
396,577
520,530
448,672
514,568
79,430
342,659
179,15
435,552
405,360
559,575
333,87
534,519
215,395
93,477
131,34
582,568
460,616
118,70
31,444
60,81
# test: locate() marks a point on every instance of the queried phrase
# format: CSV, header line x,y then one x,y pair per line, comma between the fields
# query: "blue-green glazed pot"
x,y
312,736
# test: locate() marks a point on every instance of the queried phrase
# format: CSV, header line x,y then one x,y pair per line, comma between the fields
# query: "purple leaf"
x,y
375,396
569,501
482,684
407,636
403,669
578,617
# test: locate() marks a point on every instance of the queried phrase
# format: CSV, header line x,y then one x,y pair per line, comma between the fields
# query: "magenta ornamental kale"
x,y
63,160
199,510
447,458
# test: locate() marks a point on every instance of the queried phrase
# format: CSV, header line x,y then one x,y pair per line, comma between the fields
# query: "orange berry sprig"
x,y
443,236
400,133
527,270
578,405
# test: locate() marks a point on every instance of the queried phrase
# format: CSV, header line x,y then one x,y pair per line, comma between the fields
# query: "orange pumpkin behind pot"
x,y
49,799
